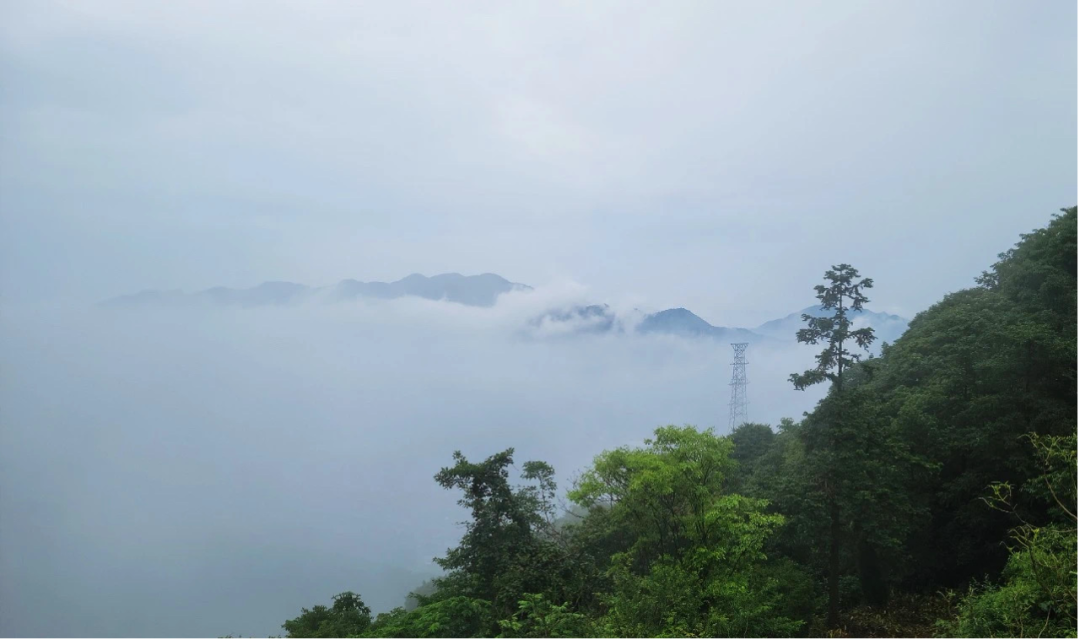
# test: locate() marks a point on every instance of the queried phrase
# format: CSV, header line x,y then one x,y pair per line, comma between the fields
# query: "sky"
x,y
203,472
716,155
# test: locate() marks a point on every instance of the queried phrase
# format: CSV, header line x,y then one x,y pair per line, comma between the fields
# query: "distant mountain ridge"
x,y
685,323
484,290
887,327
476,291
480,291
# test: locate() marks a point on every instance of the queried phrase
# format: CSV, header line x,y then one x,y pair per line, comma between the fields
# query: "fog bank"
x,y
209,471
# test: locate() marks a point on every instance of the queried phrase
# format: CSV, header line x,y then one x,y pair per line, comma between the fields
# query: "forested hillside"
x,y
932,492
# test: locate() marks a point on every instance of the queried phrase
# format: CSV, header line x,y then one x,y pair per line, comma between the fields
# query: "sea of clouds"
x,y
202,472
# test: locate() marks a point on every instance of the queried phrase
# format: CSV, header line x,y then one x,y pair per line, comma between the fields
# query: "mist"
x,y
202,472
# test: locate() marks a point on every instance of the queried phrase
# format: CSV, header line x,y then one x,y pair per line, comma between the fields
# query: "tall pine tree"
x,y
843,294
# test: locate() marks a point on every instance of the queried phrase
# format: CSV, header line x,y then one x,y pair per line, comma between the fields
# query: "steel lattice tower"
x,y
738,385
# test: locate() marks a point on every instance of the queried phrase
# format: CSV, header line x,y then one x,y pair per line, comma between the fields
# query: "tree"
x,y
971,376
689,564
954,389
751,441
1038,595
786,478
347,617
1040,271
509,547
537,617
450,617
834,331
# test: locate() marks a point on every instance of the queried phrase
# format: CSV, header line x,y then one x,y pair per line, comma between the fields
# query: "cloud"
x,y
218,469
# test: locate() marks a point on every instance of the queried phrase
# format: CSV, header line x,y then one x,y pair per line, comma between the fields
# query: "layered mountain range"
x,y
480,291
484,290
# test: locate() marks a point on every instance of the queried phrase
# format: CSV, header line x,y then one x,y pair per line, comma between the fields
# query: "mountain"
x,y
680,322
479,291
476,291
594,318
148,297
887,327
483,291
267,293
685,323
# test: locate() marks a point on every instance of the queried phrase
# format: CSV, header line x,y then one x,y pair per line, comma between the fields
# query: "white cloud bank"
x,y
213,471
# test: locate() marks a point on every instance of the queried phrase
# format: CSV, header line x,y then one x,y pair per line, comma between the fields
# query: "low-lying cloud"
x,y
201,472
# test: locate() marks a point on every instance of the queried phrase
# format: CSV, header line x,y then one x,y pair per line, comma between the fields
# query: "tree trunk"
x,y
833,620
874,590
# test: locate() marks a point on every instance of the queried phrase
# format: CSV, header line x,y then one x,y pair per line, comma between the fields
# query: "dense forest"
x,y
931,493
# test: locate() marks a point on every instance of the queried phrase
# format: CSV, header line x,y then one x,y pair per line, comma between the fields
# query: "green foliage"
x,y
512,546
509,544
1039,273
537,617
453,617
689,566
868,508
752,441
970,376
1037,596
677,599
836,425
844,286
665,492
347,617
798,595
1014,609
907,616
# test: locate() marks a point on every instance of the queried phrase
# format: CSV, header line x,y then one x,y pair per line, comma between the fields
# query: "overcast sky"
x,y
713,155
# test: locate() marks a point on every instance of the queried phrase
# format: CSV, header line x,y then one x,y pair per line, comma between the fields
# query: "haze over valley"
x,y
181,444
484,290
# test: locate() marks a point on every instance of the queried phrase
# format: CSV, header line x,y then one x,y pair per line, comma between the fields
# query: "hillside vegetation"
x,y
932,492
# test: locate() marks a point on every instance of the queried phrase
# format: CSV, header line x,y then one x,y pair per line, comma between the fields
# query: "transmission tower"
x,y
738,385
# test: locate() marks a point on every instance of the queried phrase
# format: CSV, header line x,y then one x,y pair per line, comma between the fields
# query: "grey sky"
x,y
713,155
